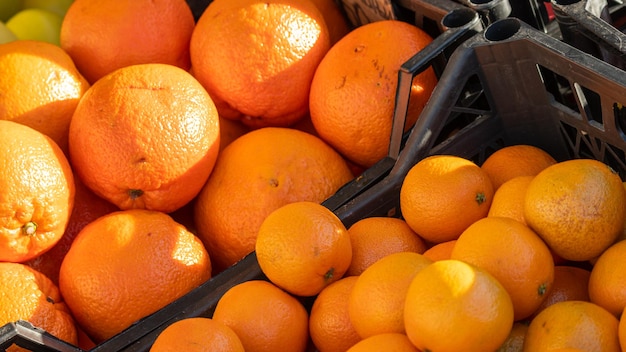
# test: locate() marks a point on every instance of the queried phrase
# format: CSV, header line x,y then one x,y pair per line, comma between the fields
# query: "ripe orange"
x,y
376,304
455,306
337,24
275,166
570,284
104,35
567,201
145,136
265,318
37,192
516,160
573,324
508,200
440,251
120,268
621,330
302,247
197,334
40,87
514,254
252,54
515,341
26,294
608,275
353,91
442,195
330,327
388,342
375,237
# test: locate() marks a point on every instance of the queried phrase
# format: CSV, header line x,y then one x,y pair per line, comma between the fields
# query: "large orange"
x,y
516,160
259,57
145,136
40,87
354,88
26,294
126,265
514,254
256,174
455,306
570,284
442,195
37,192
389,342
570,200
302,247
197,335
104,35
266,318
607,278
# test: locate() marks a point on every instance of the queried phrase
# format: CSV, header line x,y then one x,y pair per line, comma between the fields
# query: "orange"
x,y
104,35
275,166
337,24
353,91
606,282
455,306
516,160
330,327
27,294
621,330
87,208
37,192
197,334
375,237
515,341
508,200
145,136
40,87
259,57
569,200
376,304
105,276
264,317
388,342
573,324
302,247
440,251
442,195
570,284
514,254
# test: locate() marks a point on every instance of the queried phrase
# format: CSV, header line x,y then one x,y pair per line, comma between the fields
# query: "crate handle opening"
x,y
502,29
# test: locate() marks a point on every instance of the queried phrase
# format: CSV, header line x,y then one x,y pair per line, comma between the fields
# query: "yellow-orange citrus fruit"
x,y
442,195
440,251
572,199
375,237
608,275
265,318
120,268
516,160
455,306
508,200
197,335
376,304
573,324
259,57
275,166
145,136
353,91
515,341
621,330
570,284
104,35
40,87
37,192
391,342
302,247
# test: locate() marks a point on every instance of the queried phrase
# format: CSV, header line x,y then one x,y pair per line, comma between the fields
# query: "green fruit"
x,y
6,35
36,24
57,6
8,8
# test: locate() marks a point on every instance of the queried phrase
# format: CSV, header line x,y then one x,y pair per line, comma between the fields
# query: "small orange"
x,y
508,200
375,237
104,275
573,324
442,195
251,54
515,341
622,330
454,306
608,275
197,335
330,327
388,342
572,199
515,160
376,304
145,136
37,194
440,251
514,254
303,247
353,91
104,35
570,284
266,318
